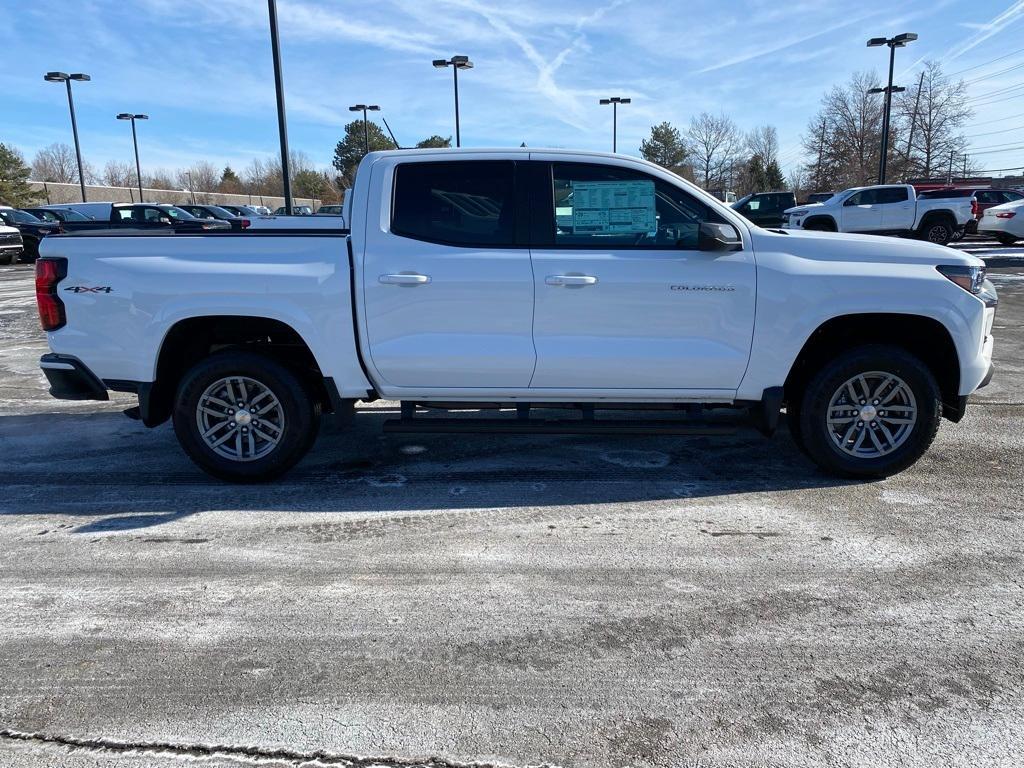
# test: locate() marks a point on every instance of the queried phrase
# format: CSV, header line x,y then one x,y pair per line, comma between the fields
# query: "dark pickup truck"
x,y
146,216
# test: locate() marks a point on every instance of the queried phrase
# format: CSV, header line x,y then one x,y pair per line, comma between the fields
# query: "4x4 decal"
x,y
89,289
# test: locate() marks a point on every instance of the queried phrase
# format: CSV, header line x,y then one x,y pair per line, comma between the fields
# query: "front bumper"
x,y
70,379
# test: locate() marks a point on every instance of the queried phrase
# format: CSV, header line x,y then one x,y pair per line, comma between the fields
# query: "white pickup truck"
x,y
888,209
521,282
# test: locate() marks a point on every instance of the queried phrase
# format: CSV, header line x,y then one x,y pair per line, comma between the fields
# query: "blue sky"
x,y
201,69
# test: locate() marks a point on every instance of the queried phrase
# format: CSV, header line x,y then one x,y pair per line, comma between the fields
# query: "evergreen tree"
x,y
350,150
665,147
434,141
14,186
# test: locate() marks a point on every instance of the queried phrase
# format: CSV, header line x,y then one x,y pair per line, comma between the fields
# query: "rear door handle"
x,y
404,279
570,280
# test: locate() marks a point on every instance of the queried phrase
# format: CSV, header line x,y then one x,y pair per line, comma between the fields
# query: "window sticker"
x,y
613,207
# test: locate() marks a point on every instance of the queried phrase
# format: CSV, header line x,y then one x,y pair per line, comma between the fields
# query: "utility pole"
x,y
913,117
949,178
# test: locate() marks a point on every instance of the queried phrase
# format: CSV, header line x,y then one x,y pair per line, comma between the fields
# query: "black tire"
x,y
9,258
299,412
821,224
938,230
817,437
1006,239
793,424
31,251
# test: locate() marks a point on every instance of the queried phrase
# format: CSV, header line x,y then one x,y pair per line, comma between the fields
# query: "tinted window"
x,y
892,195
864,197
463,203
1012,196
989,197
598,206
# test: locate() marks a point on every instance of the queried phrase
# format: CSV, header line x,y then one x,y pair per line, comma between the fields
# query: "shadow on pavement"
x,y
121,476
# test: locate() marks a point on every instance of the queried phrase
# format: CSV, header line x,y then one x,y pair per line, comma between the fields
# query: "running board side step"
x,y
515,426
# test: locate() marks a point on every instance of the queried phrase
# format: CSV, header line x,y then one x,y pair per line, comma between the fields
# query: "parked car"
x,y
297,210
148,216
817,197
11,246
887,209
245,211
330,210
32,229
643,292
57,214
238,223
1004,222
765,208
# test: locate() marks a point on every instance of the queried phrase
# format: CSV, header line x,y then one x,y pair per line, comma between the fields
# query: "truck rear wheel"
x,y
871,412
244,417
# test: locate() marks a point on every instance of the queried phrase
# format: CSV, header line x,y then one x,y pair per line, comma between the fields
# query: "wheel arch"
x,y
824,218
191,339
921,336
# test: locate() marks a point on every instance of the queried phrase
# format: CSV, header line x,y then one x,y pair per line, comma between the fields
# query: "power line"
x,y
985,64
999,151
1008,97
997,120
996,92
996,146
992,133
994,74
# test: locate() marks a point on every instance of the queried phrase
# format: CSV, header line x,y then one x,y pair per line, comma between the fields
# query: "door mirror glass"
x,y
718,237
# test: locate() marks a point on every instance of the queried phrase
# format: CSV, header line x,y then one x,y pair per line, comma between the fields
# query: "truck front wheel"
x,y
244,417
870,412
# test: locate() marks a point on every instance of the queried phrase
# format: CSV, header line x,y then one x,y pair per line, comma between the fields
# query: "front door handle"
x,y
404,278
570,280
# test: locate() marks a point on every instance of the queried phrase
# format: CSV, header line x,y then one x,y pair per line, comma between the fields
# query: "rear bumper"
x,y
70,379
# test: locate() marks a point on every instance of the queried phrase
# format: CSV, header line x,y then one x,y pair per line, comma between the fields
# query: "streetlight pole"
x,y
62,77
282,125
135,141
896,42
456,63
615,101
366,131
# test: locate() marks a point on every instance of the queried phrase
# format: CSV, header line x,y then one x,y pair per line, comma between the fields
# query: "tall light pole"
x,y
135,141
63,77
282,125
894,42
615,101
364,108
456,63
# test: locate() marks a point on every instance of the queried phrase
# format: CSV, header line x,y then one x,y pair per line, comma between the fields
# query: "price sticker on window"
x,y
614,207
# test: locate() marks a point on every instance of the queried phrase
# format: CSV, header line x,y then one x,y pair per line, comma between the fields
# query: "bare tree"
x,y
116,174
764,142
200,178
159,179
932,113
57,163
715,146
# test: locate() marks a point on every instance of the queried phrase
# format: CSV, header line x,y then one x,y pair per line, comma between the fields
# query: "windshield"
x,y
14,216
177,213
219,212
70,215
739,203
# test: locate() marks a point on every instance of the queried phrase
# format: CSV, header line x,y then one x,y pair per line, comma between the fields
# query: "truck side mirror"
x,y
718,237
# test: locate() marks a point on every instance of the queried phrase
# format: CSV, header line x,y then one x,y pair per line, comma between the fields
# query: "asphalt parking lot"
x,y
518,601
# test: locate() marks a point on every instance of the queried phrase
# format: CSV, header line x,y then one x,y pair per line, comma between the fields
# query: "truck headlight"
x,y
970,279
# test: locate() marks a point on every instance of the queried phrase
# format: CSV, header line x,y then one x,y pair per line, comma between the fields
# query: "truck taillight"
x,y
246,223
49,272
974,207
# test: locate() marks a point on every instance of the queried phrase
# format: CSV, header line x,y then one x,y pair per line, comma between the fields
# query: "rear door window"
x,y
892,195
467,202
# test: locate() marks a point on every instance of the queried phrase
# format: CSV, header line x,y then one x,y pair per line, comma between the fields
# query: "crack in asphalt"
x,y
298,757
